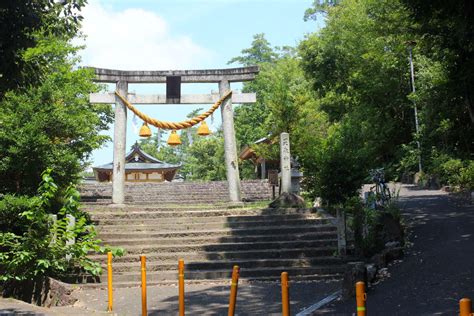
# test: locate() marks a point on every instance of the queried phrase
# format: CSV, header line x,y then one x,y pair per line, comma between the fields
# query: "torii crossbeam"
x,y
173,80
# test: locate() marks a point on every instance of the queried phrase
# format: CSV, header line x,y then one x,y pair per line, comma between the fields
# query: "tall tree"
x,y
22,22
51,124
358,66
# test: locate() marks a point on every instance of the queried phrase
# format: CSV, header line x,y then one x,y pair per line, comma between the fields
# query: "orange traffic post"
x,y
181,286
233,290
361,298
465,307
285,295
109,282
144,307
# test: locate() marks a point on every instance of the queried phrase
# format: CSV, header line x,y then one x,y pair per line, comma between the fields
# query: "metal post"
x,y
230,145
285,296
143,269
120,138
465,307
417,127
233,290
181,286
109,282
361,298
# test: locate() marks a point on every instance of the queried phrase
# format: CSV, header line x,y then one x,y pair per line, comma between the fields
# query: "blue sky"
x,y
182,34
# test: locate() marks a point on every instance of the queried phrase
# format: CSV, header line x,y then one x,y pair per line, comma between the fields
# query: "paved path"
x,y
252,299
437,271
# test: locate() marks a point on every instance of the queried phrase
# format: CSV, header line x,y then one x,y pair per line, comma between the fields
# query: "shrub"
x,y
32,244
456,173
373,228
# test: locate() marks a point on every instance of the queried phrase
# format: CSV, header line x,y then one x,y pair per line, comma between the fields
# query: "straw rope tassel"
x,y
174,125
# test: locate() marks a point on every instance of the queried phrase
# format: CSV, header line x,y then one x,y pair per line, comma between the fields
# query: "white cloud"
x,y
135,39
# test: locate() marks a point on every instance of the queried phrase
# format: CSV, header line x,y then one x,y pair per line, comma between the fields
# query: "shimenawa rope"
x,y
175,125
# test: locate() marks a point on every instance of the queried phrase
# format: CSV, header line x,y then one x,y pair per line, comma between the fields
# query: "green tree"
x,y
259,52
22,22
51,124
205,159
358,66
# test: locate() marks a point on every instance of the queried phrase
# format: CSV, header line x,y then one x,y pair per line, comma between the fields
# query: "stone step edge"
x,y
275,224
236,230
159,239
333,277
263,217
234,262
342,267
208,253
229,244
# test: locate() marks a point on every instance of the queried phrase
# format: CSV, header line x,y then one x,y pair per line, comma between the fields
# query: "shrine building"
x,y
139,167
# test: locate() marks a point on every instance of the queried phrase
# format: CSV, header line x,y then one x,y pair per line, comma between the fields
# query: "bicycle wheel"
x,y
385,193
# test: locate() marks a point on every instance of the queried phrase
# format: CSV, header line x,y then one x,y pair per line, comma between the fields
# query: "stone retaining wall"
x,y
176,192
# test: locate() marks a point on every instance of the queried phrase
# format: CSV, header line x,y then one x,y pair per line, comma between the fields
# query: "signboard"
x,y
273,177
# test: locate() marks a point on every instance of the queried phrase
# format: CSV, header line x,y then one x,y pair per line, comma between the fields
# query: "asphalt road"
x,y
437,271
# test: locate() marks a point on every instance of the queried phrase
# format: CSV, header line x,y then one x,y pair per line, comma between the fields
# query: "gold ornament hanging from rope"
x,y
174,139
203,129
145,130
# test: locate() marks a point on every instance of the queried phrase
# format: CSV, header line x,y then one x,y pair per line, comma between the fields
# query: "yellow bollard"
x,y
109,282
465,307
233,290
181,286
144,307
361,298
285,296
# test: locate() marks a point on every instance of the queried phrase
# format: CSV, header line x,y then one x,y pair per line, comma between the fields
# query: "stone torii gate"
x,y
173,80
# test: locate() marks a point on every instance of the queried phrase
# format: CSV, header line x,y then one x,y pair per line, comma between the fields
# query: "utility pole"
x,y
417,127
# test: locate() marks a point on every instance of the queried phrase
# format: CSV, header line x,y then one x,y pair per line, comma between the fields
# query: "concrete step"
x,y
224,247
158,226
225,255
225,281
147,240
135,212
225,264
262,231
237,219
227,273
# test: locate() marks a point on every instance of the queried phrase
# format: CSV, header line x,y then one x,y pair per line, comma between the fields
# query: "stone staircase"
x,y
175,192
263,242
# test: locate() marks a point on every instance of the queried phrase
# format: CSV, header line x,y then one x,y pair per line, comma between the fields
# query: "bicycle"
x,y
382,192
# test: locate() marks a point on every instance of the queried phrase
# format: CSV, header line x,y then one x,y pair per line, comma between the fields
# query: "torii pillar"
x,y
120,140
230,145
173,80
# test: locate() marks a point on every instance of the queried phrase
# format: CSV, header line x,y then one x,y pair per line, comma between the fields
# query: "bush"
x,y
373,228
456,173
32,244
